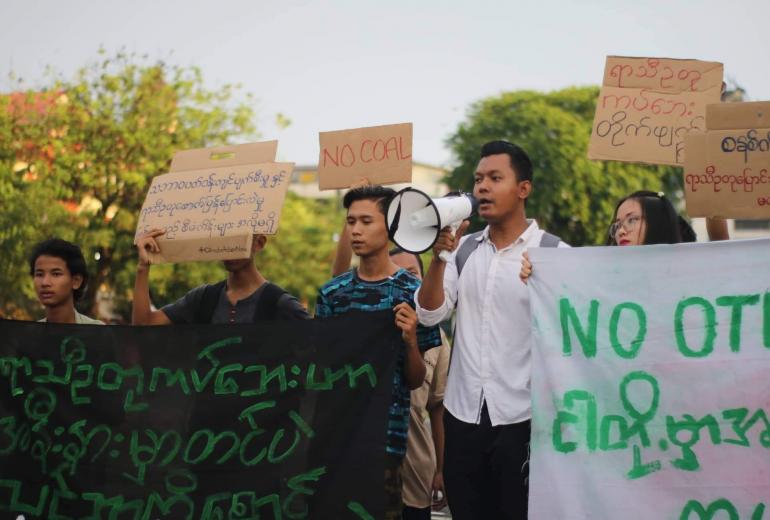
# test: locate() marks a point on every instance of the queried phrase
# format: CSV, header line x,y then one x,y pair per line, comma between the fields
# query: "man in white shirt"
x,y
487,426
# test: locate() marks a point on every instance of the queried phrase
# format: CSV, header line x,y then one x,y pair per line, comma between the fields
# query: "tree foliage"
x,y
573,196
77,156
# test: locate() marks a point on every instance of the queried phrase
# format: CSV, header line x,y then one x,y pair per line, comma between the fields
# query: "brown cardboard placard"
x,y
730,177
214,200
647,106
382,154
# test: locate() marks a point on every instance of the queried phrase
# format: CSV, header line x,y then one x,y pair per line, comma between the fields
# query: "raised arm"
x,y
344,253
717,229
141,311
431,294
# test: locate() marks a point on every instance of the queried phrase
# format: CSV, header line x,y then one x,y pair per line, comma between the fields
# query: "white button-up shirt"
x,y
491,353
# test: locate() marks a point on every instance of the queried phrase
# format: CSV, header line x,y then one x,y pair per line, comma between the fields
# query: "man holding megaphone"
x,y
487,399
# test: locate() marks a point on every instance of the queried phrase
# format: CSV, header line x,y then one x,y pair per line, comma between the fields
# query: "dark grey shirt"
x,y
183,310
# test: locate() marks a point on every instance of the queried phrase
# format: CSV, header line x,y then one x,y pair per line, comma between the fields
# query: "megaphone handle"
x,y
445,255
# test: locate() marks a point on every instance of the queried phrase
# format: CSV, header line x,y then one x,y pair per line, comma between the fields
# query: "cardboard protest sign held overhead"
x,y
727,172
214,200
647,106
382,154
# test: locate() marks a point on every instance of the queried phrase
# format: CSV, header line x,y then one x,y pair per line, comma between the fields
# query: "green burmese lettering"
x,y
359,510
158,507
72,350
44,378
641,331
227,386
242,505
301,424
85,382
265,377
689,424
207,449
766,319
640,469
709,315
707,513
365,369
15,505
298,489
272,457
640,418
171,377
586,336
245,443
736,315
211,510
53,506
310,382
564,417
248,413
273,502
606,432
234,446
207,351
10,366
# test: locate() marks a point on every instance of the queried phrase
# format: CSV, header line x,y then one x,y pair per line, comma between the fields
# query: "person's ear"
x,y
525,189
77,281
258,243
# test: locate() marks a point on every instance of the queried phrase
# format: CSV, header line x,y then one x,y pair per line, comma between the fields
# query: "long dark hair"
x,y
660,218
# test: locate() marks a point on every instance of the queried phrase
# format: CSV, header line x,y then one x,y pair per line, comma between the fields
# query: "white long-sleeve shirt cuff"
x,y
431,317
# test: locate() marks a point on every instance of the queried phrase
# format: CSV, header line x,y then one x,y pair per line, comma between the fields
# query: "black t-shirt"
x,y
183,310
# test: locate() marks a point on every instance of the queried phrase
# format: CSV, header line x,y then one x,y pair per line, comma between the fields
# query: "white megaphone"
x,y
415,220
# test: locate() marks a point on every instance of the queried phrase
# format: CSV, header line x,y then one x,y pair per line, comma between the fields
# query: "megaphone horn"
x,y
415,220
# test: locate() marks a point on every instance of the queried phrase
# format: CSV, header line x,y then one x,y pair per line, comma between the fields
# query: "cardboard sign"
x,y
215,201
727,172
649,381
196,422
382,154
647,106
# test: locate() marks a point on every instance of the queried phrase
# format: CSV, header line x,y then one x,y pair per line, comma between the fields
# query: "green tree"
x,y
77,156
573,196
299,257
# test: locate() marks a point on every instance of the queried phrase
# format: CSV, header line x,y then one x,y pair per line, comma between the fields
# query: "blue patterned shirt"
x,y
348,293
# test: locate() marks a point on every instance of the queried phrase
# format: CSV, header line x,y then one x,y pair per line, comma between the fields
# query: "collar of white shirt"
x,y
532,228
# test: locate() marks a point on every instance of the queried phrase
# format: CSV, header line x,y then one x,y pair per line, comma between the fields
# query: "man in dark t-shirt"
x,y
244,297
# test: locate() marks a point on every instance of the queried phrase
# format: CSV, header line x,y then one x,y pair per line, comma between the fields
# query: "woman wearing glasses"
x,y
643,218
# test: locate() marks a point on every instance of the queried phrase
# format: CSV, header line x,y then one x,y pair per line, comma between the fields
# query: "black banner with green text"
x,y
277,420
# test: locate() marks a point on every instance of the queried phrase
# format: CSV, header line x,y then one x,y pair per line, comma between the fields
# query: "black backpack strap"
x,y
549,240
208,303
467,247
267,306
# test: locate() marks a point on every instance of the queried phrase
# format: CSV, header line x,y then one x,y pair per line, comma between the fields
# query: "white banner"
x,y
651,382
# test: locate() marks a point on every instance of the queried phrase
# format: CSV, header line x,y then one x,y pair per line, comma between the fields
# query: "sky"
x,y
344,64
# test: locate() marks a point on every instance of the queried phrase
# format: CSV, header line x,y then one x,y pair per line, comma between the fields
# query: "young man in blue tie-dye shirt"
x,y
379,284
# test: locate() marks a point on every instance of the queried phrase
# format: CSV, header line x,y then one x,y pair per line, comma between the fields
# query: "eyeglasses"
x,y
629,223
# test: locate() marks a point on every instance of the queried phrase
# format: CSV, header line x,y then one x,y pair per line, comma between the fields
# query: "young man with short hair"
x,y
487,424
244,297
379,284
59,272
